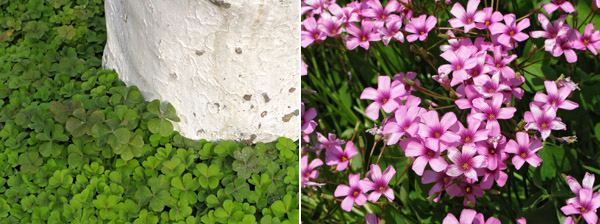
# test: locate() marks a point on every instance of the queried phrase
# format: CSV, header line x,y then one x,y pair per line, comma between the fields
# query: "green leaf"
x,y
160,200
30,162
67,32
170,113
597,131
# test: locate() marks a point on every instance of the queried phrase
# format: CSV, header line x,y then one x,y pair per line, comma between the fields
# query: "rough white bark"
x,y
229,67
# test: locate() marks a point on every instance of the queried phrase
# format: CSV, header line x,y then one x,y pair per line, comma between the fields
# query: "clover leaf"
x,y
146,217
158,196
107,206
184,188
208,176
30,162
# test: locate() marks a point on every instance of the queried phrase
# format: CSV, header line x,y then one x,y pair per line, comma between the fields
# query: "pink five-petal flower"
x,y
339,157
328,142
586,204
486,17
420,26
406,123
355,193
544,121
499,63
464,18
434,131
392,30
588,183
470,136
524,150
464,162
551,32
468,190
379,183
377,12
494,153
361,36
511,31
441,179
460,60
384,96
564,45
556,98
311,32
491,86
346,15
413,148
494,175
330,24
308,170
556,4
590,39
491,112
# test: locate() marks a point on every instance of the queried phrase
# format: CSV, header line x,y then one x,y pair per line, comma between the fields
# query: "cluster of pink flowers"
x,y
586,201
459,160
359,23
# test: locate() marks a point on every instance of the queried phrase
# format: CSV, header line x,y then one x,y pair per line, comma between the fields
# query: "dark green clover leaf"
x,y
4,208
179,210
185,189
132,148
286,147
61,178
107,206
230,212
208,176
159,195
35,29
172,167
52,135
67,32
239,189
30,162
160,122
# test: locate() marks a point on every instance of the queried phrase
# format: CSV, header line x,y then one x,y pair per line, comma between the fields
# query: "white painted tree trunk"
x,y
229,67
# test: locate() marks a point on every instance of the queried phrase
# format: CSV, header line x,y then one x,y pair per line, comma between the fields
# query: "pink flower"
x,y
345,15
472,135
328,143
521,220
468,190
556,4
586,204
494,153
384,96
590,39
494,175
511,31
339,157
441,179
307,123
314,7
406,121
392,30
330,25
491,86
464,18
435,132
465,163
543,121
588,183
304,68
354,193
564,44
556,98
361,36
311,32
379,183
467,216
491,112
377,12
460,60
498,63
486,17
420,26
551,32
413,148
524,150
308,171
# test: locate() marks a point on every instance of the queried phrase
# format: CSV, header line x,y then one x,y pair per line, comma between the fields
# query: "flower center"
x,y
492,117
458,67
490,90
498,65
384,100
487,23
405,128
308,173
469,20
467,139
492,151
475,73
523,155
430,153
512,32
344,159
437,134
583,210
316,35
364,39
381,189
355,193
422,32
465,166
468,189
586,41
446,179
302,122
554,102
382,17
544,126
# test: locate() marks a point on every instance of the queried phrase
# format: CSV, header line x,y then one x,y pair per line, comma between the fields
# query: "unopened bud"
x,y
532,50
409,81
361,142
444,36
568,139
